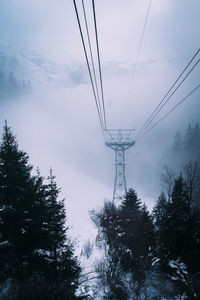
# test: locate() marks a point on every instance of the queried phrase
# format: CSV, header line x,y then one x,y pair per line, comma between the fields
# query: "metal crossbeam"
x,y
119,140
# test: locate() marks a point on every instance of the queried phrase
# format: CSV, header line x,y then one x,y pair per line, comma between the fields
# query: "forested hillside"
x,y
185,148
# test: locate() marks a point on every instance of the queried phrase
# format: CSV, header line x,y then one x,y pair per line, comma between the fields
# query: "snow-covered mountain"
x,y
37,69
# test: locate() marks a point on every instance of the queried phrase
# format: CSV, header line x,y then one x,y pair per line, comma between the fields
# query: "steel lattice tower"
x,y
119,140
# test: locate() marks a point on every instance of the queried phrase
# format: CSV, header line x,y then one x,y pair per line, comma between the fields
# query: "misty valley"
x,y
99,150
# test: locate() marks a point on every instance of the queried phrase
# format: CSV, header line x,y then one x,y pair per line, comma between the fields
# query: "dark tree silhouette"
x,y
35,254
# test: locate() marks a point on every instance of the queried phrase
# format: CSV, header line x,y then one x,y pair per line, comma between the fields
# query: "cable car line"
x,y
100,103
138,53
92,59
171,110
99,63
158,108
88,66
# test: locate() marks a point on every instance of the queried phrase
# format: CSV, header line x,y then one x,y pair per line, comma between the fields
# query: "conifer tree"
x,y
16,202
173,220
138,236
34,251
56,213
131,202
39,237
128,231
63,270
160,210
161,214
176,225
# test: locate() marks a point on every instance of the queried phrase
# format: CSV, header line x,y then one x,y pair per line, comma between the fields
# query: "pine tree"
x,y
130,216
161,215
16,200
173,224
34,251
63,270
138,236
110,270
128,231
131,202
56,213
160,211
178,234
147,231
39,237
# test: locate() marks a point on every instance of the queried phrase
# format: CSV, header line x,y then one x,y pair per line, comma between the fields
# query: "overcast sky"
x,y
59,127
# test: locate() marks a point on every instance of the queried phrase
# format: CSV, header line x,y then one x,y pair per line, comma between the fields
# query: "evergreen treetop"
x,y
131,201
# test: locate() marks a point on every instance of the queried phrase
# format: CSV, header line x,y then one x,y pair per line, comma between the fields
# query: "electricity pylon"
x,y
119,140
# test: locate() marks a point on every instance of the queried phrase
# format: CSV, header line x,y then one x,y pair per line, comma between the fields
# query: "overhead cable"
x,y
156,113
92,60
171,110
99,64
138,53
159,107
88,66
